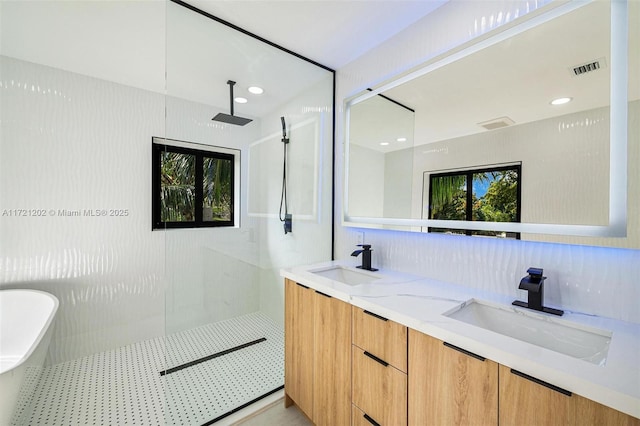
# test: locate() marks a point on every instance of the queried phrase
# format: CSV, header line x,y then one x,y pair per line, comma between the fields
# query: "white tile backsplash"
x,y
593,280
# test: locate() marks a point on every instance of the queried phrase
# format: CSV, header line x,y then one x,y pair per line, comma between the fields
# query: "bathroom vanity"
x,y
388,348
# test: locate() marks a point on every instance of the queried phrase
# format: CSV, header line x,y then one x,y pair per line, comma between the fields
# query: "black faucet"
x,y
366,257
534,284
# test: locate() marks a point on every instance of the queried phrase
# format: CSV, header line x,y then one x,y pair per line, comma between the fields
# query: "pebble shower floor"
x,y
124,386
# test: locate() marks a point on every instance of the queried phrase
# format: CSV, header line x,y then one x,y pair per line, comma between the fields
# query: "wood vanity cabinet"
x,y
379,370
332,365
450,386
298,346
385,374
317,355
591,412
525,400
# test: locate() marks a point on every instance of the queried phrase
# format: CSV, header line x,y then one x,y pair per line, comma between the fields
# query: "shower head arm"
x,y
231,84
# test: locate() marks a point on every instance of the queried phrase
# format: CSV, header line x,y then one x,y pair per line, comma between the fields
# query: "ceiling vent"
x,y
589,67
497,123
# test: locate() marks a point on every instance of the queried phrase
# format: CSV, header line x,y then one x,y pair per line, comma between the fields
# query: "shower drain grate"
x,y
122,386
210,357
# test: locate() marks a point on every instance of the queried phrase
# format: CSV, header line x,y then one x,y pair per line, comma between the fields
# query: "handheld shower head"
x,y
285,139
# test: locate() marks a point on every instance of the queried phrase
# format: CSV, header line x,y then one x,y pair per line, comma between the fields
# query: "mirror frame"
x,y
617,226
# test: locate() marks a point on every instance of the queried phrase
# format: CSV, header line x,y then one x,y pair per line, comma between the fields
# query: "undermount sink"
x,y
578,341
347,276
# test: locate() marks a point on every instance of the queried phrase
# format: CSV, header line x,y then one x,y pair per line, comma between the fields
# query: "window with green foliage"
x,y
488,195
192,187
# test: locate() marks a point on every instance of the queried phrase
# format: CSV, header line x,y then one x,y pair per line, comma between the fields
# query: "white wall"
x,y
589,279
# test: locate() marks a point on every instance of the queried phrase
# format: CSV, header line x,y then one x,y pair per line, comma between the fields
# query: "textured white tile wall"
x,y
596,280
70,145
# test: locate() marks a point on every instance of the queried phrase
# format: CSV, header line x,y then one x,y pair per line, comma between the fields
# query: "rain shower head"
x,y
230,118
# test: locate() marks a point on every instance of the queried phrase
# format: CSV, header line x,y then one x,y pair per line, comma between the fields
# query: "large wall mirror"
x,y
472,142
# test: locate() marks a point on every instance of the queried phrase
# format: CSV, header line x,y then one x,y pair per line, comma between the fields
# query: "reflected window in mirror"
x,y
488,194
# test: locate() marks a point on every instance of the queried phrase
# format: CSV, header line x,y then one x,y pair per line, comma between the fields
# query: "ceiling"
x,y
330,32
133,42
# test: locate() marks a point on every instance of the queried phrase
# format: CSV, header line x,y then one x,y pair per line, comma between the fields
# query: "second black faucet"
x,y
534,284
366,257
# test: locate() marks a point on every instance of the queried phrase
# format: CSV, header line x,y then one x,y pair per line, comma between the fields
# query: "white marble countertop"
x,y
419,303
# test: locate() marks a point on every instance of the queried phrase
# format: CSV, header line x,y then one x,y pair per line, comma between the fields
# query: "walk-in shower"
x,y
177,325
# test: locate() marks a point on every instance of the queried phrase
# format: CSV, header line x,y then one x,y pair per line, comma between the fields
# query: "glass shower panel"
x,y
76,122
224,296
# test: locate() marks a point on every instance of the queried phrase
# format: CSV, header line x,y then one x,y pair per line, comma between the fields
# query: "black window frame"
x,y
469,193
200,154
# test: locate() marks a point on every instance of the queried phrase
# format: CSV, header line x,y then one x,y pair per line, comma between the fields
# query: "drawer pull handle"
x,y
464,351
540,382
370,420
303,286
376,359
321,293
376,316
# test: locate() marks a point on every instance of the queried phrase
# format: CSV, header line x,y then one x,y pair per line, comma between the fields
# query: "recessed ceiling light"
x,y
241,100
256,90
401,139
384,143
561,101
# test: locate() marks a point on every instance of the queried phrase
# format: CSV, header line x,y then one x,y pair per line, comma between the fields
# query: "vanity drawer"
x,y
360,418
378,390
381,337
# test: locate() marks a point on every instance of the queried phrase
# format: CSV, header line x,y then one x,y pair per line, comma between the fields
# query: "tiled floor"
x,y
124,386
